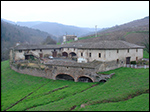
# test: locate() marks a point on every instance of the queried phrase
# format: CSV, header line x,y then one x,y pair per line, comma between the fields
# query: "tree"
x,y
146,44
49,40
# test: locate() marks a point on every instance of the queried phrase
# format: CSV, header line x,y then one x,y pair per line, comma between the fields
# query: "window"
x,y
117,61
99,55
117,51
33,49
40,50
128,50
20,51
89,54
81,54
136,50
68,48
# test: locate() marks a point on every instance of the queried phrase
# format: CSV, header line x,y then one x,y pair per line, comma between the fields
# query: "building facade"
x,y
104,51
89,59
69,37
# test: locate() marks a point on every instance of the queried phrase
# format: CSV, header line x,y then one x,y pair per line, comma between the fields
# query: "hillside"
x,y
11,34
57,29
135,32
127,90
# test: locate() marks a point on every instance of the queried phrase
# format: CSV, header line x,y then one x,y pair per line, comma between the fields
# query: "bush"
x,y
133,62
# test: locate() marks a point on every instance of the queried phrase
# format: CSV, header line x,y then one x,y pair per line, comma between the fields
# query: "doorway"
x,y
128,60
54,53
41,55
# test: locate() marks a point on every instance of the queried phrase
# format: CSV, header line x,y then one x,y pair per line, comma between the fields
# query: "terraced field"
x,y
128,90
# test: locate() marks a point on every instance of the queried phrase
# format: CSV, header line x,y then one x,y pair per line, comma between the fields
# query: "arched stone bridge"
x,y
78,72
74,71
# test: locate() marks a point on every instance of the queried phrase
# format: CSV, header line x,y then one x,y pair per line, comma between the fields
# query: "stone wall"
x,y
110,65
30,71
74,72
52,71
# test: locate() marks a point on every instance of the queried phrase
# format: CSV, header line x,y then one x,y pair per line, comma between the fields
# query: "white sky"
x,y
77,13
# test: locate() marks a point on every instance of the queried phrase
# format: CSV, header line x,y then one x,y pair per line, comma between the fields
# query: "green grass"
x,y
135,104
58,43
88,37
60,95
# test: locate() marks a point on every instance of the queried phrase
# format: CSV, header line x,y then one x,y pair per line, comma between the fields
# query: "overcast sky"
x,y
78,13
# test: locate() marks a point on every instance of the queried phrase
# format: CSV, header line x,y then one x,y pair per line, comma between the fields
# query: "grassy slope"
x,y
137,103
126,82
63,95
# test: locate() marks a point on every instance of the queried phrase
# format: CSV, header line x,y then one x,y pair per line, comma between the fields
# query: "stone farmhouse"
x,y
69,37
86,59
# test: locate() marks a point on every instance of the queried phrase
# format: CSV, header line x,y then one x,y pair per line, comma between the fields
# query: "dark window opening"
x,y
81,54
33,49
99,55
89,54
128,50
40,50
117,51
136,50
20,51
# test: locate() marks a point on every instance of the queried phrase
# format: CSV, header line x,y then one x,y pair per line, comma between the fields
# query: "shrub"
x,y
133,62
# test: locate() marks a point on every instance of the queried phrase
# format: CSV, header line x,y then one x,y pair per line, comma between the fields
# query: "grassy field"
x,y
127,90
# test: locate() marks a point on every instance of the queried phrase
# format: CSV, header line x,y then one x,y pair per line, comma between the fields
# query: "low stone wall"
x,y
106,66
30,71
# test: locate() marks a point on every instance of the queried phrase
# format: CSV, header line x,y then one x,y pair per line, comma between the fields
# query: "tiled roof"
x,y
27,46
118,44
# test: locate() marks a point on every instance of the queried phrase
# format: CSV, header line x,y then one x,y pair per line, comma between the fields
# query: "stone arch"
x,y
72,54
65,54
84,79
63,76
103,80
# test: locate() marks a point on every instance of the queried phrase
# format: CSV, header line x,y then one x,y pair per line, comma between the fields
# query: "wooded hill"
x,y
57,29
135,32
11,34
